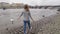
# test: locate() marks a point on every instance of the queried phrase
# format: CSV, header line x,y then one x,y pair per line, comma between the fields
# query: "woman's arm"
x,y
30,16
20,15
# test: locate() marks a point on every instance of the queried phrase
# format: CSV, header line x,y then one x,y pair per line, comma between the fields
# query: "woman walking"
x,y
26,14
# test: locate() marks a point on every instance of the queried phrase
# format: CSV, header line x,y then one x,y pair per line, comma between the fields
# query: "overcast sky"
x,y
34,2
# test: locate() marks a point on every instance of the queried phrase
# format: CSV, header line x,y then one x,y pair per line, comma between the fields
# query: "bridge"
x,y
45,7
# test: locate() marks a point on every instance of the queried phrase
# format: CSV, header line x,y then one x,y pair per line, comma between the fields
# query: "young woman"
x,y
27,16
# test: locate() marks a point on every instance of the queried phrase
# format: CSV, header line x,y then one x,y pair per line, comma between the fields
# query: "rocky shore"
x,y
47,25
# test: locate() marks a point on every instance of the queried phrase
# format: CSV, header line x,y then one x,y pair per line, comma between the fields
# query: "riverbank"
x,y
46,25
51,26
6,26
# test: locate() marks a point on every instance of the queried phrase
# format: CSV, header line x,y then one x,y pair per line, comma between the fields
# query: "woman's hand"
x,y
32,20
18,18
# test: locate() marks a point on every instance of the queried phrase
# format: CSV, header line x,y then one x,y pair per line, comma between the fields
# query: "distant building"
x,y
18,5
4,4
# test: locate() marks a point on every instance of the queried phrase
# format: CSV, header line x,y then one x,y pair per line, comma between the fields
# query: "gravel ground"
x,y
47,25
52,26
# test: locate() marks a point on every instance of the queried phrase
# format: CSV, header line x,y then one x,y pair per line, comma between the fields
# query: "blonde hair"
x,y
26,7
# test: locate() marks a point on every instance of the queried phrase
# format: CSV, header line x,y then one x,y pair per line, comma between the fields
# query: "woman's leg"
x,y
24,27
29,24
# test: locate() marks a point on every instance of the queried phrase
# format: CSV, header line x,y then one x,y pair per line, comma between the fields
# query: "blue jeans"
x,y
25,23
